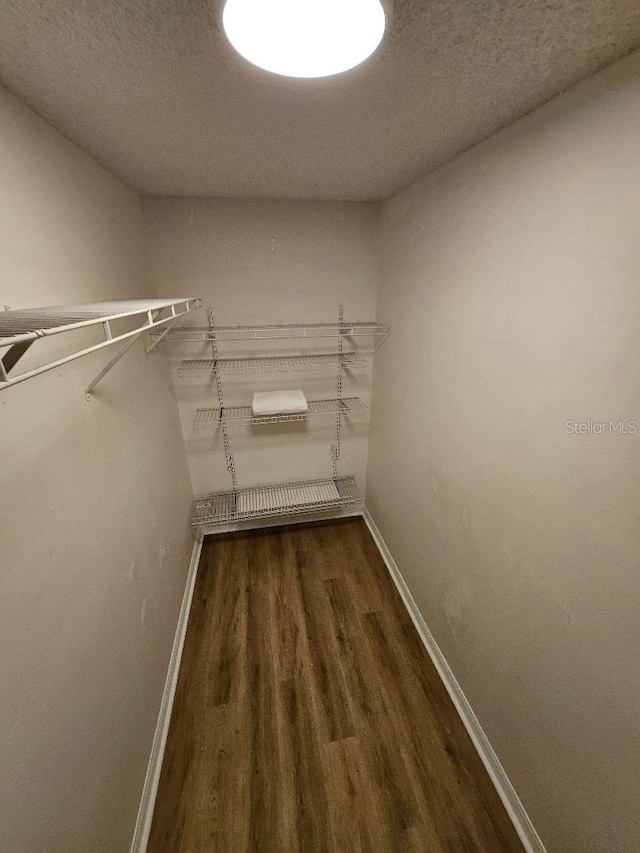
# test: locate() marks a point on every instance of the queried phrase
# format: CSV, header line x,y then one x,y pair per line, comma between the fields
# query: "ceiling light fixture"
x,y
304,38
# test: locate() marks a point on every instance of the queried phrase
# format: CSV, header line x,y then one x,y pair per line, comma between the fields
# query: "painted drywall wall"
x,y
94,505
268,262
511,278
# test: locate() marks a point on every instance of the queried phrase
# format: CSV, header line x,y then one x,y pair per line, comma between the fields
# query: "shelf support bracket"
x,y
12,357
383,338
89,389
157,340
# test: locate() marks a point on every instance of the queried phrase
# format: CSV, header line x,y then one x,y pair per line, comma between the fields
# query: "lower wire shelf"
x,y
275,500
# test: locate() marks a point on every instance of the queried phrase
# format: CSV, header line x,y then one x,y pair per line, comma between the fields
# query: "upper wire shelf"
x,y
28,324
281,331
272,364
21,328
243,415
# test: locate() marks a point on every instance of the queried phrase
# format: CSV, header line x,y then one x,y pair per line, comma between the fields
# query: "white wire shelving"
x,y
272,364
20,329
275,500
351,350
283,331
234,416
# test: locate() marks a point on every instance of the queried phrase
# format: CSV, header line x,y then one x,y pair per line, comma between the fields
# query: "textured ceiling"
x,y
151,89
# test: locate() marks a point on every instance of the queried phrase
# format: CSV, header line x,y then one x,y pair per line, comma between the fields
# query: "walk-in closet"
x,y
319,413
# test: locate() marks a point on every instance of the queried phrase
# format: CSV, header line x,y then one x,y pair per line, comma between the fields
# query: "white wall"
x,y
94,538
511,277
268,262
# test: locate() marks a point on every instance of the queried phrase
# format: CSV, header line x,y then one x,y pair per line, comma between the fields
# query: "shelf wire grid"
x,y
272,364
21,328
243,415
281,331
274,500
32,323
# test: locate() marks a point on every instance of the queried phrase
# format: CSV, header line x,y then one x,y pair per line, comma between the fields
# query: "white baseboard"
x,y
507,793
150,789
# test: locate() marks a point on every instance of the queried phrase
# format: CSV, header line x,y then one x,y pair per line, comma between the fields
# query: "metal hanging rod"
x,y
243,415
20,329
274,500
273,364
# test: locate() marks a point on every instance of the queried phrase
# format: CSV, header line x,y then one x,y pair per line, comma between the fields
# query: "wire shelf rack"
x,y
275,500
272,364
22,328
280,331
243,415
24,324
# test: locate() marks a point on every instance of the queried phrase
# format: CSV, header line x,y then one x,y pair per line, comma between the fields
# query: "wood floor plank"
x,y
324,664
305,813
265,831
308,716
217,799
342,769
222,642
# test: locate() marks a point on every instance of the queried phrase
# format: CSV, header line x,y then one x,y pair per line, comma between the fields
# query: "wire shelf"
x,y
243,415
280,331
275,500
25,324
272,364
21,328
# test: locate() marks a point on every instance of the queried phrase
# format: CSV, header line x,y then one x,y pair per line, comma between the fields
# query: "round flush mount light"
x,y
304,38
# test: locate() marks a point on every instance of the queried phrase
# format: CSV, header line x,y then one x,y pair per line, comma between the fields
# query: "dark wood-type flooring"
x,y
308,716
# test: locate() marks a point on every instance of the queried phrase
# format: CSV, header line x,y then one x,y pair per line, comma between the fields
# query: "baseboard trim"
x,y
507,793
150,789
